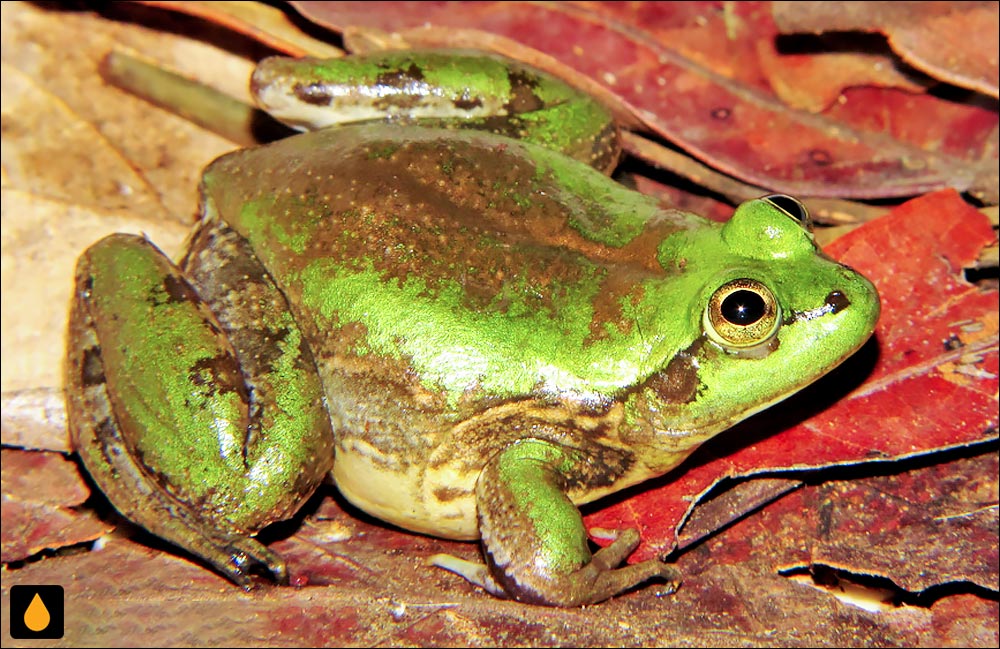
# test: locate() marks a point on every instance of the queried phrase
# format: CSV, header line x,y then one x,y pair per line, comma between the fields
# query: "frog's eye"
x,y
742,313
791,207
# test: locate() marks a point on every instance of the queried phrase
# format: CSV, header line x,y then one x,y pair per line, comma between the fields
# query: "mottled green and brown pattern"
x,y
456,290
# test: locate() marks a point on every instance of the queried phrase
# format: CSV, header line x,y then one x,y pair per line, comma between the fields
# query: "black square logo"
x,y
36,612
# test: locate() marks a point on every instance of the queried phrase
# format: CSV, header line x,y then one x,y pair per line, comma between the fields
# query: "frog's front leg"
x,y
185,423
533,535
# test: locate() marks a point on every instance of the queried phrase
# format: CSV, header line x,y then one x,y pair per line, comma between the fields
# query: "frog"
x,y
436,296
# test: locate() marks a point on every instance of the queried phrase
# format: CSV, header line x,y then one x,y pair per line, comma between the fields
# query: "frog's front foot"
x,y
533,536
592,583
602,567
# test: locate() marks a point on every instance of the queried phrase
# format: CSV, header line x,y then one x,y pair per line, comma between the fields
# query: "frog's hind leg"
x,y
465,90
138,495
159,410
533,535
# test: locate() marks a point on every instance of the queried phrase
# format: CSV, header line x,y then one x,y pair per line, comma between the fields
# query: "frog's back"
x,y
485,266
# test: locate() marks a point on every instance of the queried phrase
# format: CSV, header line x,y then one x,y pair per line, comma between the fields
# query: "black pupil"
x,y
743,307
789,204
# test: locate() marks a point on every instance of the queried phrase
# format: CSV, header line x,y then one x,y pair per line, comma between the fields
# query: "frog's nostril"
x,y
837,301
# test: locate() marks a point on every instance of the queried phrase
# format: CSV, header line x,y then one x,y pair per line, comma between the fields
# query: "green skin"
x,y
475,333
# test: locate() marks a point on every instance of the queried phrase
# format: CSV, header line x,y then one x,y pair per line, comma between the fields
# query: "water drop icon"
x,y
36,617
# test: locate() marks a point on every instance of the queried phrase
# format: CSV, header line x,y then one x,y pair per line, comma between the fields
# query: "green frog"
x,y
439,296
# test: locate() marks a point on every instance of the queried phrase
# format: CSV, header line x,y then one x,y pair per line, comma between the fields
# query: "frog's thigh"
x,y
288,448
534,537
137,334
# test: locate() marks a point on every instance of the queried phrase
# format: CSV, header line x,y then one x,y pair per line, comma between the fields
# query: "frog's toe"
x,y
475,573
605,580
610,582
241,557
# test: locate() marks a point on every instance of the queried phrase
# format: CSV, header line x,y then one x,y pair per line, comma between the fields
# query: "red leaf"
x,y
691,73
961,130
919,528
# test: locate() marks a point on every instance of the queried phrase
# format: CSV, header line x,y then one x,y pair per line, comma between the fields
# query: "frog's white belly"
x,y
410,498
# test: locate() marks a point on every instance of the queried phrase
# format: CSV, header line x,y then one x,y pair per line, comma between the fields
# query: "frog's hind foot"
x,y
244,557
240,558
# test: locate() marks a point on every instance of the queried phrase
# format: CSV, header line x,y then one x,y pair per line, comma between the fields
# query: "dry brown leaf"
x,y
81,160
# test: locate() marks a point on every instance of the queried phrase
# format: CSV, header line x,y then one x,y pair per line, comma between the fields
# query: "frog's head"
x,y
768,313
